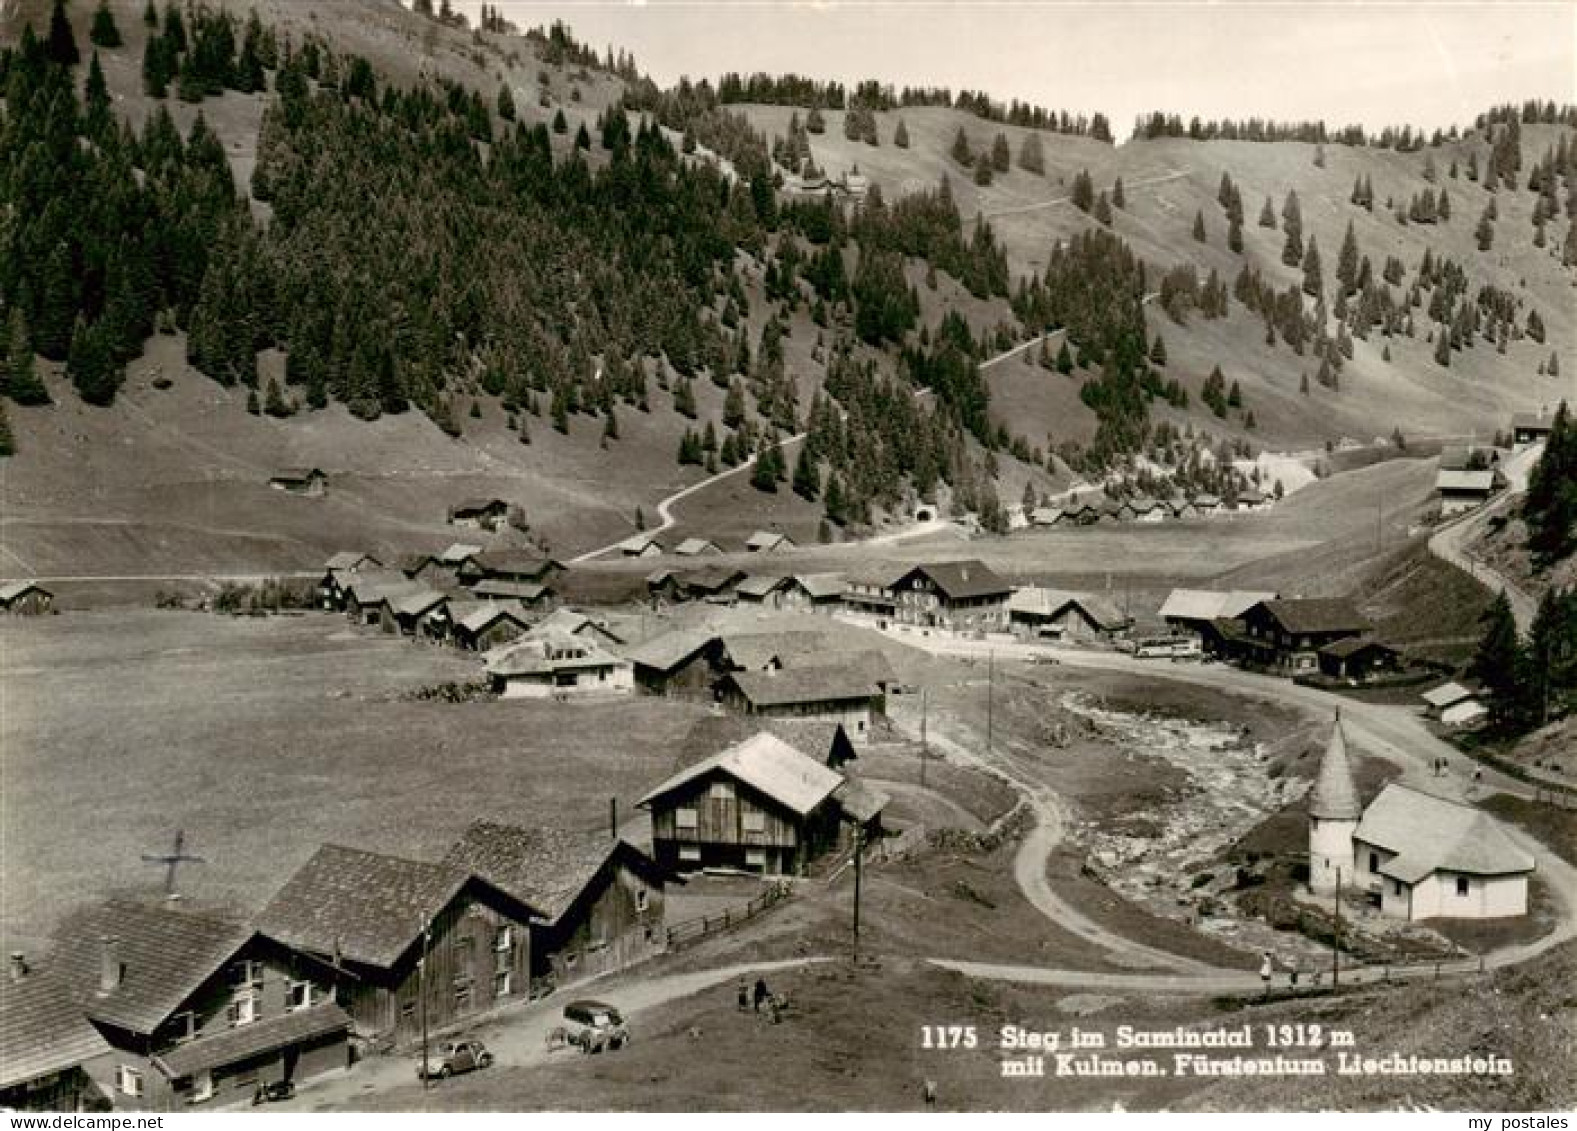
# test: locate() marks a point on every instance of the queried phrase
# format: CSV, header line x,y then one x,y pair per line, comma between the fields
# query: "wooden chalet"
x,y
1530,428
478,626
681,663
46,1044
442,570
601,898
761,589
812,592
196,1009
517,566
25,599
774,651
528,594
1454,704
961,596
1045,516
641,545
1195,611
870,593
557,664
374,918
1206,505
369,598
847,690
312,482
580,625
421,613
480,513
760,805
768,542
1060,615
1357,659
1287,635
1463,490
1143,509
697,547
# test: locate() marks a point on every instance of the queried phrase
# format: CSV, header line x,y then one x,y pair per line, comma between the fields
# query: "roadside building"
x,y
25,599
311,482
600,898
557,664
1287,635
960,596
479,626
196,1009
682,663
869,593
762,590
1463,490
846,691
697,547
1357,659
521,567
46,1042
760,805
1454,704
812,593
401,930
480,513
1195,611
641,545
768,542
1056,614
1531,428
1432,857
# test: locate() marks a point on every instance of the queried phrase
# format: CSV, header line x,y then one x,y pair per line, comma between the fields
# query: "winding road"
x,y
1450,543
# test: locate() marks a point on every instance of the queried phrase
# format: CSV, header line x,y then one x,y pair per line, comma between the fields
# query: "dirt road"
x,y
1450,543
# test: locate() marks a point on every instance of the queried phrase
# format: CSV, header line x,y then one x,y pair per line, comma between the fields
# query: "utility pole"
x,y
421,994
859,854
1336,935
991,673
925,745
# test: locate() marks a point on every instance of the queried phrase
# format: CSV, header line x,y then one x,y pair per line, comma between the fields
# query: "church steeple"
x,y
1335,796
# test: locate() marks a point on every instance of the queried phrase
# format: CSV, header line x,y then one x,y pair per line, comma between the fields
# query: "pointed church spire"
x,y
1335,796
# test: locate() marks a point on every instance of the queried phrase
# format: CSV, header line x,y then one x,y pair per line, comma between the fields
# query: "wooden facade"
x,y
717,821
26,600
616,921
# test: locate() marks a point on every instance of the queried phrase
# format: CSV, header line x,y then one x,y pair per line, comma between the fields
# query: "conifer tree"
x,y
1498,662
22,383
1001,155
1313,278
961,151
506,104
7,440
1119,199
104,33
61,47
901,135
807,480
150,15
1267,215
1199,226
560,123
1031,155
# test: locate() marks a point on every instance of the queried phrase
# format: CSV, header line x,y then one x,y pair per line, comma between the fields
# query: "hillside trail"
x,y
666,505
1173,175
1450,543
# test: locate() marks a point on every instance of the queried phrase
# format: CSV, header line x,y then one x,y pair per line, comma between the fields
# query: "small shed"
x,y
768,542
25,599
309,481
1454,704
641,545
1358,659
697,547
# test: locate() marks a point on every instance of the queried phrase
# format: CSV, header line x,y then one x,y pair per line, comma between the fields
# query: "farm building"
x,y
681,663
45,1043
479,514
378,917
1431,857
812,592
641,546
1287,635
442,570
478,626
351,561
578,625
1207,505
717,586
1252,500
516,566
773,651
1045,516
556,664
768,542
601,898
196,1009
1084,510
25,599
1463,490
369,598
420,613
869,593
1054,613
530,594
761,589
1143,509
845,691
697,547
309,481
1359,660
1196,610
1530,428
760,804
1454,705
962,596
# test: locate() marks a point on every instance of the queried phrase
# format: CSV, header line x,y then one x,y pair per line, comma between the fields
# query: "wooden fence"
x,y
691,931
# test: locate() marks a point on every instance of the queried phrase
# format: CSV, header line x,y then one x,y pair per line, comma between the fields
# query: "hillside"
x,y
159,480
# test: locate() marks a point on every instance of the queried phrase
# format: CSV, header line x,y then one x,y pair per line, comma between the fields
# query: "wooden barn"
x,y
697,547
681,663
196,1009
601,898
641,546
25,599
1056,614
508,565
761,589
46,1042
768,542
377,917
844,690
1290,633
311,482
759,805
478,626
1357,659
480,514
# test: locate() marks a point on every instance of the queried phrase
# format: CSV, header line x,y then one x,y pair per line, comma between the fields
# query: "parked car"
x,y
275,1091
453,1059
594,1026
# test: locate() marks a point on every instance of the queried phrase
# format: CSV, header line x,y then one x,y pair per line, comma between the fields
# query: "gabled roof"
x,y
247,1041
517,590
666,652
1143,504
636,543
298,474
1316,614
42,1028
962,580
1480,482
1349,646
1045,516
574,623
1209,604
760,585
477,505
351,560
1447,694
540,652
768,765
710,581
166,955
1206,500
417,602
547,868
513,563
11,590
825,740
362,906
835,682
1334,794
859,801
820,586
1432,834
1532,420
479,616
693,546
456,553
768,540
754,651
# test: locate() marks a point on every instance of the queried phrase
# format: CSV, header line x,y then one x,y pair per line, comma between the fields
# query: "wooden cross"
x,y
172,860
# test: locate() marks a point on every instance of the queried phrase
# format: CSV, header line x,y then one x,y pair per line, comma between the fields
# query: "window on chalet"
x,y
722,791
300,996
183,1026
504,940
1374,861
1462,885
685,818
754,821
755,858
690,852
503,983
642,899
247,972
243,1009
128,1081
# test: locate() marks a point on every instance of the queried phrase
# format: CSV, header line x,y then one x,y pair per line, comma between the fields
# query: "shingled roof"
x,y
754,651
768,765
42,1028
547,868
350,559
362,906
1316,614
1208,604
540,652
835,682
247,1041
1334,795
963,580
165,955
666,652
1433,834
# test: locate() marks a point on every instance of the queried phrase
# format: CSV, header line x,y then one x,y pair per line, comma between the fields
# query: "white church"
x,y
1423,855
